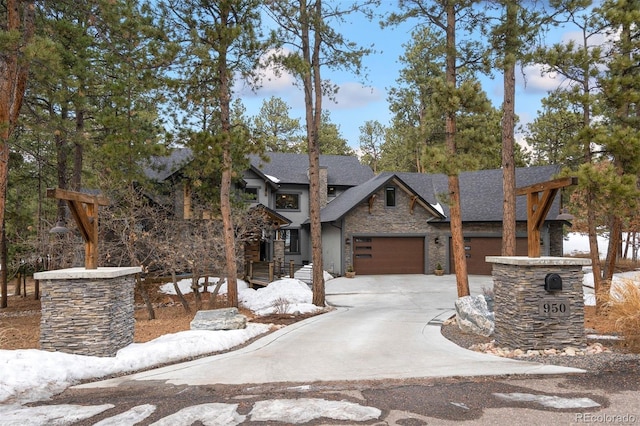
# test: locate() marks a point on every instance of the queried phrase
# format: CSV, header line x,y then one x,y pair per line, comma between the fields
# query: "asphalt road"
x,y
610,398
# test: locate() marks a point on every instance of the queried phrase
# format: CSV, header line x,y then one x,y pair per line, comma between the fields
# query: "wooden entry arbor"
x,y
539,199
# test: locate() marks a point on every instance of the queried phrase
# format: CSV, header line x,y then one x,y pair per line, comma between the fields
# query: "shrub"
x,y
623,306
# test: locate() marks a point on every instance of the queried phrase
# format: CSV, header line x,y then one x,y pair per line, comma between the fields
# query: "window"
x,y
291,238
390,196
331,191
287,202
251,193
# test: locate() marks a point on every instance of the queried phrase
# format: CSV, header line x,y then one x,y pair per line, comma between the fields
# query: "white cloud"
x,y
273,80
353,95
536,79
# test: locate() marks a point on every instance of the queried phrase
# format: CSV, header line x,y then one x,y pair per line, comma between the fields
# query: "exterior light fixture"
x,y
59,228
565,215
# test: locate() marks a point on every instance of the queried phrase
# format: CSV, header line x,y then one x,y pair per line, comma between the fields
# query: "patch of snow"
x,y
32,375
64,414
438,207
212,414
549,400
304,410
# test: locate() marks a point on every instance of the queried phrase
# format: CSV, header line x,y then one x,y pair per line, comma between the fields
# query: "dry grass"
x,y
623,307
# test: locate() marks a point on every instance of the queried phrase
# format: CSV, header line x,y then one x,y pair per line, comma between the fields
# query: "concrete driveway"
x,y
383,327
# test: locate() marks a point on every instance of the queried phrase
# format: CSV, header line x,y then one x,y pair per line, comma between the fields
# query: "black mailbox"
x,y
553,282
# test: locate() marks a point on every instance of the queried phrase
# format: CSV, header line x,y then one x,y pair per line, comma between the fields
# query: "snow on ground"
x,y
576,243
32,375
282,296
618,279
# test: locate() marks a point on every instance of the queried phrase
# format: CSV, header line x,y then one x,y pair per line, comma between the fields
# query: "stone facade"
x,y
529,317
380,220
87,316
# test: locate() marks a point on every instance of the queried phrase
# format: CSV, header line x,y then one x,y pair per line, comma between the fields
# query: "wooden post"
x,y
539,199
84,209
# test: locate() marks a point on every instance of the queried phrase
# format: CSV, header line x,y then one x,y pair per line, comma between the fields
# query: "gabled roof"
x,y
284,167
292,168
349,199
274,215
161,168
480,193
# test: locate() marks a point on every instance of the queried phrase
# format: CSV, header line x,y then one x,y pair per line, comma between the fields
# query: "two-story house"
x,y
390,223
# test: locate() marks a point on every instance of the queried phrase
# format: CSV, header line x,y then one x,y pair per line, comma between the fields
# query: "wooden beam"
x,y
539,199
412,203
84,209
63,194
551,184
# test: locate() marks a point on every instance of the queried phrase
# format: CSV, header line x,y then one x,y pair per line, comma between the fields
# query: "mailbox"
x,y
553,282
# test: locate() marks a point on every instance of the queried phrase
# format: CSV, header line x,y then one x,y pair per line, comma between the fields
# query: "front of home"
x,y
390,223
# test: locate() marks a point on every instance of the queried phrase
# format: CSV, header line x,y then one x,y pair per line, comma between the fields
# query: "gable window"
x,y
287,201
291,238
390,196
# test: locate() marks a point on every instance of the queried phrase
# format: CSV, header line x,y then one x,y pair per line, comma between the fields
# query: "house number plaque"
x,y
556,307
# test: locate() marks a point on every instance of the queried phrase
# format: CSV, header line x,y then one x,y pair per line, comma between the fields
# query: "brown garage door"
x,y
388,255
477,248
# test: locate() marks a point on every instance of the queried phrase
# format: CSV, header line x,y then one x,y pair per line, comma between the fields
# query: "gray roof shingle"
x,y
480,193
160,168
292,168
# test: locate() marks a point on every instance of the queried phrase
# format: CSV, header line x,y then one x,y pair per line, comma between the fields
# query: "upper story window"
x,y
331,191
251,194
287,201
390,196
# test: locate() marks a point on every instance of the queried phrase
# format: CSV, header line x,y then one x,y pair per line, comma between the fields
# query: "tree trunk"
x,y
313,113
3,266
508,139
613,247
151,314
14,72
76,180
196,292
183,301
595,254
227,170
457,238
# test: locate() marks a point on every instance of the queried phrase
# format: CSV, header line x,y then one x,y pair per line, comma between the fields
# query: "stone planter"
x,y
350,274
438,272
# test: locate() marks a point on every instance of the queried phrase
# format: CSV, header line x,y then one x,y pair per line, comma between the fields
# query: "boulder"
x,y
219,319
473,316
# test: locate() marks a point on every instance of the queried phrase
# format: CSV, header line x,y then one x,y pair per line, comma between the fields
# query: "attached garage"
x,y
477,248
388,255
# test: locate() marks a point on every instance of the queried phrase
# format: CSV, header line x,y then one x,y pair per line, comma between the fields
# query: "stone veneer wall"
x,y
87,316
387,221
278,250
519,297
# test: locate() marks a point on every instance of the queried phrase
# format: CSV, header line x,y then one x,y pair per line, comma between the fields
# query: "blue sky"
x,y
360,99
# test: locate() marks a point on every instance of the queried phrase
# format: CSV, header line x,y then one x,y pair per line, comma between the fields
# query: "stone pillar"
x,y
87,311
528,316
278,250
